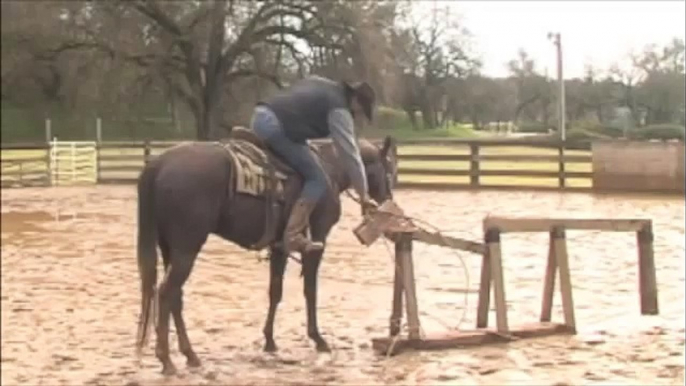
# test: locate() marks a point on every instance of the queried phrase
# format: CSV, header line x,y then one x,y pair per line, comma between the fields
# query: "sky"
x,y
600,33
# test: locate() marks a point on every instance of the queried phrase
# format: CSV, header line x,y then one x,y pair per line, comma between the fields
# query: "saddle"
x,y
262,174
240,133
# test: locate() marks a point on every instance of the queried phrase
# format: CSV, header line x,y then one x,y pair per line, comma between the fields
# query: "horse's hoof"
x,y
168,369
270,347
193,361
323,347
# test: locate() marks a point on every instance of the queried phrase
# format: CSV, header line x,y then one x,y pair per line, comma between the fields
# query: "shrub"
x,y
666,131
391,119
583,135
610,131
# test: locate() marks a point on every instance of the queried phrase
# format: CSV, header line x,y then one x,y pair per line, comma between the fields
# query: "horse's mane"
x,y
368,151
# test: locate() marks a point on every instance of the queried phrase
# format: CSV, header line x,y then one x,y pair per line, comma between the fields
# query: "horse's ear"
x,y
388,145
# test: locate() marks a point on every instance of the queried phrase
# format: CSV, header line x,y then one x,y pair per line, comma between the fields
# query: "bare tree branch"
x,y
261,74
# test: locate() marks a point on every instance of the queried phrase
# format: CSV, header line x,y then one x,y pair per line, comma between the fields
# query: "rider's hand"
x,y
368,206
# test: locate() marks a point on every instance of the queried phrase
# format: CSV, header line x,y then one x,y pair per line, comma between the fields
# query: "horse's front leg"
x,y
310,262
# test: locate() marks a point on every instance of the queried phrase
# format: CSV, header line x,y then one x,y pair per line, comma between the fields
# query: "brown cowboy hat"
x,y
364,94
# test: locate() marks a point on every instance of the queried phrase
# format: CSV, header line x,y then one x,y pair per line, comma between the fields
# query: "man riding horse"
x,y
314,107
183,198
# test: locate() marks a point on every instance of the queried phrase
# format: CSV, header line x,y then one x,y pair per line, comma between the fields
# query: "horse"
x,y
226,188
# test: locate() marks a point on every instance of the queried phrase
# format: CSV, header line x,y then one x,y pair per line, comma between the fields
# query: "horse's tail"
x,y
147,250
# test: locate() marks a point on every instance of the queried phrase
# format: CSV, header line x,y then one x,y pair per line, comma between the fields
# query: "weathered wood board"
x,y
458,339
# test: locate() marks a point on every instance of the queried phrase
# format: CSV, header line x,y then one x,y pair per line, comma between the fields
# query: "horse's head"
x,y
381,165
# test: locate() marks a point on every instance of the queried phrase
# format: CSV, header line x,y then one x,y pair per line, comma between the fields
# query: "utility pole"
x,y
561,108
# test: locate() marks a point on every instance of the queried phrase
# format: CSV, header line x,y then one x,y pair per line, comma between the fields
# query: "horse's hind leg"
x,y
176,312
310,262
277,267
170,293
185,347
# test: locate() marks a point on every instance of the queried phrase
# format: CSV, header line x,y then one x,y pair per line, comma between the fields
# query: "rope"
x,y
439,232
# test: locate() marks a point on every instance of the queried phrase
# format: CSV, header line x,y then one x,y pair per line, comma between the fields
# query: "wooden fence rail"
x,y
423,163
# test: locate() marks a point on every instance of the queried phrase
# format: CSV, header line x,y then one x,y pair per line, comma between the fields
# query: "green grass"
x,y
136,160
452,131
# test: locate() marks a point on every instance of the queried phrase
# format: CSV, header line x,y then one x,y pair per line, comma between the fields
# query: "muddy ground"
x,y
70,298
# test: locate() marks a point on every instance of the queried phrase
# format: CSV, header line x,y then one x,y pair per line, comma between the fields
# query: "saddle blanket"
x,y
252,166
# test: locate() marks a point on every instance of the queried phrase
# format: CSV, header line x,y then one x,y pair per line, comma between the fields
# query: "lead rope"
x,y
445,243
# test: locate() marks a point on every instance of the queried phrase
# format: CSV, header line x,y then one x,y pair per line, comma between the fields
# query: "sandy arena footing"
x,y
70,298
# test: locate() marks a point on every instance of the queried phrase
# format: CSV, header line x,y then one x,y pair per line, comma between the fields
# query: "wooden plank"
x,y
26,177
463,339
500,142
494,254
483,310
532,173
549,282
24,172
407,269
646,271
542,158
389,215
22,159
433,172
451,186
120,168
121,157
397,306
448,241
434,157
523,224
560,247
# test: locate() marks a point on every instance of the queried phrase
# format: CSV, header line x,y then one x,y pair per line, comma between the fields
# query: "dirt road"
x,y
70,298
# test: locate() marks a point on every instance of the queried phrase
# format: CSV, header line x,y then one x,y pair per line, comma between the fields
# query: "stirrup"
x,y
303,245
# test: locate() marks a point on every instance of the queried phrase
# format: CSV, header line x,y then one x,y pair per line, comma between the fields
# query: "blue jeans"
x,y
299,156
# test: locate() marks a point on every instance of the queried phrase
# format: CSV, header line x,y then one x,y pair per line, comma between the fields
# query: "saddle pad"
x,y
252,175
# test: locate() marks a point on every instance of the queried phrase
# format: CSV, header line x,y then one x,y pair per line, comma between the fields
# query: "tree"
x,y
661,91
200,49
430,52
531,89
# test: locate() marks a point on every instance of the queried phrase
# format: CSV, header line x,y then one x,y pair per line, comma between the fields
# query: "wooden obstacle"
x,y
403,233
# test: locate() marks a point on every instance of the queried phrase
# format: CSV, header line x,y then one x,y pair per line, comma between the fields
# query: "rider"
x,y
314,107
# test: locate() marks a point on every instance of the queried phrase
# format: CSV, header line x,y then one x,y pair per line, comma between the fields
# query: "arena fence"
x,y
73,163
513,164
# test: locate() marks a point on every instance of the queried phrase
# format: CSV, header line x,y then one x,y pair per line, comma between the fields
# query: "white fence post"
x,y
48,130
98,129
54,166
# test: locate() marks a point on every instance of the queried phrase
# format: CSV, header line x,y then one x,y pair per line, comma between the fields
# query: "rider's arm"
x,y
342,130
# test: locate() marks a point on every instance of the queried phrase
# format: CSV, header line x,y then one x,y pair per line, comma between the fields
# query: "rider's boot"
x,y
294,237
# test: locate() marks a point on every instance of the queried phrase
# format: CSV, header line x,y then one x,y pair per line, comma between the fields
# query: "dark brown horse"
x,y
194,189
